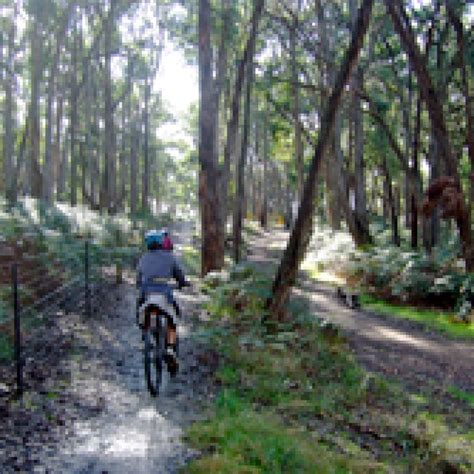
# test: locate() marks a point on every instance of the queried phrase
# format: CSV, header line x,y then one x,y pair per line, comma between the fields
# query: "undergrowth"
x,y
294,400
398,276
48,244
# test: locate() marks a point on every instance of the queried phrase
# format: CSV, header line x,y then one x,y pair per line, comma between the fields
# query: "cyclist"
x,y
155,268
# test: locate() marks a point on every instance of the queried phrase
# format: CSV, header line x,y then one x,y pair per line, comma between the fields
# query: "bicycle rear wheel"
x,y
153,361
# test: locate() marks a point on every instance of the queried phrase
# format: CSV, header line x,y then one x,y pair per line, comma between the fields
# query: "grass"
x,y
6,348
467,397
294,400
248,441
435,319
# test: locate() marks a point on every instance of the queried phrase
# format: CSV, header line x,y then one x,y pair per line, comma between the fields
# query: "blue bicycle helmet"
x,y
153,237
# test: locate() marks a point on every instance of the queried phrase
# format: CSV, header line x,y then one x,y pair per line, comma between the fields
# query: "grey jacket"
x,y
159,264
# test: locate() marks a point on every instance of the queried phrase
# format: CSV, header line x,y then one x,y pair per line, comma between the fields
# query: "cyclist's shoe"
x,y
171,361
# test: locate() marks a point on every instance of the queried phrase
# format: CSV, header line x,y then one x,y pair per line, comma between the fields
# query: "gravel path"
x,y
91,411
134,432
383,344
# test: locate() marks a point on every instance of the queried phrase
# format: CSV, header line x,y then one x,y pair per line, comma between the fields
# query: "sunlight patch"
x,y
401,337
127,443
149,414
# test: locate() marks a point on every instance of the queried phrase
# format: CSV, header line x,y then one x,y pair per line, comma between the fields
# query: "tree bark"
x,y
326,82
359,173
48,167
407,125
127,132
73,120
34,179
109,179
391,204
240,167
298,144
8,148
212,240
264,209
301,234
415,177
60,151
468,98
134,170
220,79
146,157
358,119
233,122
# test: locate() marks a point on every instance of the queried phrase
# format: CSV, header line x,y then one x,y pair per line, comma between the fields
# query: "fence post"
x,y
17,329
87,294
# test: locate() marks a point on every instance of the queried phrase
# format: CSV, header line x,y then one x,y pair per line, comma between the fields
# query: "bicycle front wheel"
x,y
153,362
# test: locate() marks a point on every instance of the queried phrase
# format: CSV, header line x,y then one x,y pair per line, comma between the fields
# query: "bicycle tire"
x,y
153,362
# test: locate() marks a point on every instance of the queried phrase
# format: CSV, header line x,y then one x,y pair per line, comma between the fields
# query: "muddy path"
x,y
387,345
133,432
109,423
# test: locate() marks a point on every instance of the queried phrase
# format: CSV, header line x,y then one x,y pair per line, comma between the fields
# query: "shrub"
x,y
413,277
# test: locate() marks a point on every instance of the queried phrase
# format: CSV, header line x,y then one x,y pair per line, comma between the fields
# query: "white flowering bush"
x,y
414,277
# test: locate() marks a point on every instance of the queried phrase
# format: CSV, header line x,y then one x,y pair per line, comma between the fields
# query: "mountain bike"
x,y
153,316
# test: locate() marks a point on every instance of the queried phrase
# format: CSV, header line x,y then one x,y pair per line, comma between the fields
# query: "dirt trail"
x,y
134,432
383,344
130,431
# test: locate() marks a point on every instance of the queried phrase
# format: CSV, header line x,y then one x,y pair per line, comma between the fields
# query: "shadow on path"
x,y
383,344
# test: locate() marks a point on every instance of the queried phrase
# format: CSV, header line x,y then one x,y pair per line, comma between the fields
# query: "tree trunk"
x,y
126,132
146,159
34,178
255,168
48,167
358,232
95,176
212,240
108,182
240,167
134,170
406,113
359,173
288,198
225,171
233,122
73,120
435,173
218,87
264,209
8,148
358,119
61,151
415,178
332,195
391,204
326,82
48,160
298,144
404,30
301,233
468,98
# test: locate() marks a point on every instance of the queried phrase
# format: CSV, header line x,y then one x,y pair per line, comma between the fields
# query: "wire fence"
x,y
45,285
